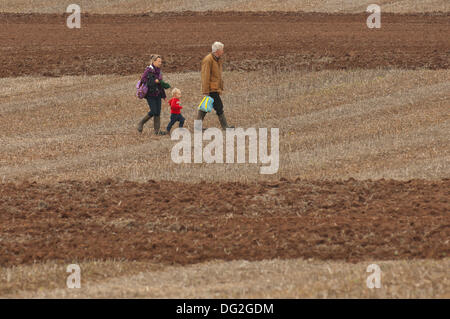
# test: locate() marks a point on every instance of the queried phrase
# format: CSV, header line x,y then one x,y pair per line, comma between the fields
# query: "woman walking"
x,y
152,77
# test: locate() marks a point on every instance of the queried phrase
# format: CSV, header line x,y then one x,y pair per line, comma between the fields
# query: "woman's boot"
x,y
142,122
157,125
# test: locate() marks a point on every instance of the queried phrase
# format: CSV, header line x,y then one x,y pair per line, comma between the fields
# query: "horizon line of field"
x,y
208,13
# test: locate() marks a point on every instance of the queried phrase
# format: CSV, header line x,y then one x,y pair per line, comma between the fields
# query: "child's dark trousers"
x,y
173,119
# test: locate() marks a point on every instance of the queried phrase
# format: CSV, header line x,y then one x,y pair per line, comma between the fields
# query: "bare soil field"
x,y
171,223
121,44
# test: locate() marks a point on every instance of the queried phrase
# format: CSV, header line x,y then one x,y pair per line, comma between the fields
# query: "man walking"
x,y
212,83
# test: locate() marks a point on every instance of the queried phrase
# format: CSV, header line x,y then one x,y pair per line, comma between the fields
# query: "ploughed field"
x,y
38,44
177,223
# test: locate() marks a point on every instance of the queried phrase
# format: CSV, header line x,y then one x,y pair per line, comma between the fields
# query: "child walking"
x,y
175,110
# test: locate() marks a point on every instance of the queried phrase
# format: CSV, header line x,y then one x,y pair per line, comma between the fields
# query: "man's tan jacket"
x,y
211,75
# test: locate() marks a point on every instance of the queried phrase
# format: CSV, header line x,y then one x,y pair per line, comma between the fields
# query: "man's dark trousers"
x,y
217,105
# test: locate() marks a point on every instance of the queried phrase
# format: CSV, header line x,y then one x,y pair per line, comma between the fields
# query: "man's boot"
x,y
200,116
142,122
157,125
223,122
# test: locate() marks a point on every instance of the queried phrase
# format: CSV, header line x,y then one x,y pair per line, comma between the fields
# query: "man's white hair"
x,y
217,46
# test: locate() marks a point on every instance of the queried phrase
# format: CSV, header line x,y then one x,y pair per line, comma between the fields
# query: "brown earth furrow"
x,y
169,222
41,44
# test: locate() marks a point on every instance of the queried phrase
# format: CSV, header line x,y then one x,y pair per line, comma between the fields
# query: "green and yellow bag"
x,y
206,105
